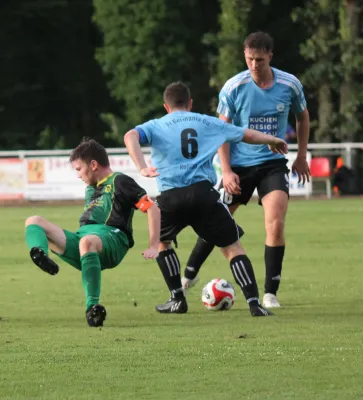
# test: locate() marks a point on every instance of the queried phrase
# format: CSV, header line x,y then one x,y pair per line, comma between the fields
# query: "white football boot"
x,y
189,283
270,301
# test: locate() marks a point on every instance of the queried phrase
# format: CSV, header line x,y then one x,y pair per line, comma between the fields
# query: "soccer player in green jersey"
x,y
105,233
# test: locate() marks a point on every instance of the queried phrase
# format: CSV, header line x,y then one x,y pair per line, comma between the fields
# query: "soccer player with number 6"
x,y
183,145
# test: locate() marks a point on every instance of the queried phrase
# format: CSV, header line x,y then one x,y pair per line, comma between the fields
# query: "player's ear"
x,y
167,108
270,57
190,104
94,165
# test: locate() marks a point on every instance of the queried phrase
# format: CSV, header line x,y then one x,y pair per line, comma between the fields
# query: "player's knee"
x,y
275,228
88,244
233,208
34,220
165,246
233,250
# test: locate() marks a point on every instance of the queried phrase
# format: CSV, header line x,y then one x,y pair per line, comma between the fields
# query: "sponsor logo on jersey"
x,y
267,125
280,107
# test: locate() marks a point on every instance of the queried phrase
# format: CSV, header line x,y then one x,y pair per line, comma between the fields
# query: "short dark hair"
x,y
259,41
89,150
177,94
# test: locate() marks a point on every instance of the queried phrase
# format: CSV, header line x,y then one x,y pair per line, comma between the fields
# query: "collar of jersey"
x,y
269,88
104,179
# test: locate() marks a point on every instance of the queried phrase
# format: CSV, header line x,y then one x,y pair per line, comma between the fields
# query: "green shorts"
x,y
114,245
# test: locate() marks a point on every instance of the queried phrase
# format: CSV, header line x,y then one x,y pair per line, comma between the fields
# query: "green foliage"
x,y
115,127
351,90
148,45
233,21
321,49
335,67
54,91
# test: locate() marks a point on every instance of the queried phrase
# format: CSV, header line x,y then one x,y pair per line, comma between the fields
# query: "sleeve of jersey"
x,y
145,132
298,98
144,203
233,133
129,189
225,105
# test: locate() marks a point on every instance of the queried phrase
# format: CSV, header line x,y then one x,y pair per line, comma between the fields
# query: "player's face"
x,y
258,62
86,171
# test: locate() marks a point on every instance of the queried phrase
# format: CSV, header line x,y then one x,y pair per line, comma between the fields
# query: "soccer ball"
x,y
218,294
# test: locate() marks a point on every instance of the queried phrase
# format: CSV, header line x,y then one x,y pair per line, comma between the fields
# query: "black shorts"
x,y
266,177
199,206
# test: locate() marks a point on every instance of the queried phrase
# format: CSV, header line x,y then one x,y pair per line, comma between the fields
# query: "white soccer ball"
x,y
218,294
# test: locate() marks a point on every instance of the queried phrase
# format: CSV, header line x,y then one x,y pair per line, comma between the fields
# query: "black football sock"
x,y
170,268
273,265
244,276
199,254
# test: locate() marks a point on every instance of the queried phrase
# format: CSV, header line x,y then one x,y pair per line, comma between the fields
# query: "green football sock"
x,y
91,278
35,236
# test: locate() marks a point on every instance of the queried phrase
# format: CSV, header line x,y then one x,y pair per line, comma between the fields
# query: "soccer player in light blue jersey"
x,y
183,146
260,98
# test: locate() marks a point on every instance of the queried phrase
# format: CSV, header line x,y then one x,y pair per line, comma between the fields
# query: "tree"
x,y
147,45
351,88
233,21
53,90
322,50
335,71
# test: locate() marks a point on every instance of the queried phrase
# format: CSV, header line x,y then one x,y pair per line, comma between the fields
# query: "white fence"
x,y
47,175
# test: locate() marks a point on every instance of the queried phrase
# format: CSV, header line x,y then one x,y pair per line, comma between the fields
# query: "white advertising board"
x,y
11,179
52,178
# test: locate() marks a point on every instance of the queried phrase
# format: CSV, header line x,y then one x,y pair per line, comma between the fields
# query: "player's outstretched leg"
x,y
244,276
95,315
40,259
199,254
170,268
38,231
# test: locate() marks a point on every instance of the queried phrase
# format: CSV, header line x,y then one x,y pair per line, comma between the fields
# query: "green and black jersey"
x,y
112,202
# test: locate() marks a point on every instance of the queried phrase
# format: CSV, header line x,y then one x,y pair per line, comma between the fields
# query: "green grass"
x,y
311,349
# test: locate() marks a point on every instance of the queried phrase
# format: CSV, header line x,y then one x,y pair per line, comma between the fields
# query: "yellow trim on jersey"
x,y
104,179
113,198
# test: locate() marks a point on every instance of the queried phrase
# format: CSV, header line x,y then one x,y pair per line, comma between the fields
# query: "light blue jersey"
x,y
183,146
265,110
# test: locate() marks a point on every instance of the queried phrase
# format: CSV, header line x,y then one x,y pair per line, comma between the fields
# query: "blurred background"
x,y
74,68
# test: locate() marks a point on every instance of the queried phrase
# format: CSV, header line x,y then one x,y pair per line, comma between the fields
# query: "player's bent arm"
x,y
224,157
224,151
153,216
131,140
302,132
146,205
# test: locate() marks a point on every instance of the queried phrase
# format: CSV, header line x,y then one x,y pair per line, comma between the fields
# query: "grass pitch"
x,y
311,349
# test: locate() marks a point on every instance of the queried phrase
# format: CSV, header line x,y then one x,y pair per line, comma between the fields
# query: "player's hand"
x,y
301,168
151,252
280,146
149,172
231,182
